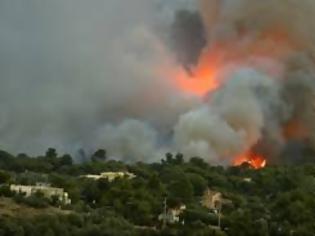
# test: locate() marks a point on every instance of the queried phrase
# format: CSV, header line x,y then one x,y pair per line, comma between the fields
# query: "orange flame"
x,y
203,77
272,43
254,160
198,84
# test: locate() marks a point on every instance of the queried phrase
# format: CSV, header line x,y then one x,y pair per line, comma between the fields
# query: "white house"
x,y
171,216
48,191
211,199
110,176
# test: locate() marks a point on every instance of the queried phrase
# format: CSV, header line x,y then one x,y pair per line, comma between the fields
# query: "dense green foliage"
x,y
276,200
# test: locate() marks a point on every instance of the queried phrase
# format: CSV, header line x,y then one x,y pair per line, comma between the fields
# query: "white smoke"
x,y
232,121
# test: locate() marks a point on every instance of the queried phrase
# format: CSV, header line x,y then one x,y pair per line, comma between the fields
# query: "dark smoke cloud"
x,y
187,37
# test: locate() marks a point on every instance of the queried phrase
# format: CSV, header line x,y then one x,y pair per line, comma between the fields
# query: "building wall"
x,y
211,199
110,176
48,192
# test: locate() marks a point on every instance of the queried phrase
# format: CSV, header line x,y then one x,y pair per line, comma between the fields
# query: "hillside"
x,y
173,197
9,208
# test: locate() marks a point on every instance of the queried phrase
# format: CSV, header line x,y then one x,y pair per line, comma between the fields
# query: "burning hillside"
x,y
257,73
252,159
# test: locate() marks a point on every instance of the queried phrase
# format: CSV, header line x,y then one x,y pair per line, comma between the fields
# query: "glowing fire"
x,y
254,160
273,43
203,78
199,83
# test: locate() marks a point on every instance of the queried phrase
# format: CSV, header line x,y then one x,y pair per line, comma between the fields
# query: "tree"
x,y
197,161
181,188
199,183
91,192
51,153
179,158
99,155
66,160
4,177
155,184
6,192
169,158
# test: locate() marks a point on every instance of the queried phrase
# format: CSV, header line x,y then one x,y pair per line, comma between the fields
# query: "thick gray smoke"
x,y
70,68
265,107
234,119
99,74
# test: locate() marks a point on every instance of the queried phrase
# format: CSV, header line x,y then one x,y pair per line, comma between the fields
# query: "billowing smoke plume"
x,y
232,122
140,78
263,108
70,68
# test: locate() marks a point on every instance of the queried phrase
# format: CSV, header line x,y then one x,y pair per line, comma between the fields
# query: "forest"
x,y
275,200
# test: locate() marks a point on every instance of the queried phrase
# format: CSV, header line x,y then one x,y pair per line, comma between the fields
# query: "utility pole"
x,y
219,214
164,213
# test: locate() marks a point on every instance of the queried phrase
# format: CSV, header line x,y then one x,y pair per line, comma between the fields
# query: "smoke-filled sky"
x,y
105,74
68,68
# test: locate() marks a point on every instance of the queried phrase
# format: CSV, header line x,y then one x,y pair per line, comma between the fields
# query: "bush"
x,y
35,200
5,191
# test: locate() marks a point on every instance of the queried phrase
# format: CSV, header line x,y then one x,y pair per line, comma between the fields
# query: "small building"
x,y
110,176
214,201
211,199
45,189
248,180
172,215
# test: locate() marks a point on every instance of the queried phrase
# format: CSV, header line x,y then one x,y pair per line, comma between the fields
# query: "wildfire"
x,y
272,43
204,77
201,81
254,160
295,129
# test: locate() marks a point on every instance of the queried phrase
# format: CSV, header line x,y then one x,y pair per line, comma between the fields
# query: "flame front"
x,y
256,161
